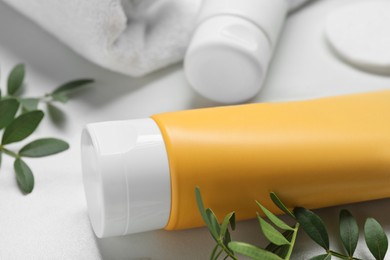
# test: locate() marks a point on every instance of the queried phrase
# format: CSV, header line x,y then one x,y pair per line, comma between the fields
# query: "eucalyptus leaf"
x,y
71,85
233,222
322,257
227,239
29,104
273,235
8,110
24,176
280,204
214,221
349,231
282,250
225,223
22,126
56,115
313,226
274,219
252,251
376,238
288,234
203,213
43,147
15,79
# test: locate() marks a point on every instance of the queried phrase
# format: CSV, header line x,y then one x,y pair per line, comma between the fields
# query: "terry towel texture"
x,y
134,37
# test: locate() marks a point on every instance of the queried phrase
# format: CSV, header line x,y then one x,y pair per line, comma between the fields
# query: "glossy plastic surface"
x,y
126,177
314,154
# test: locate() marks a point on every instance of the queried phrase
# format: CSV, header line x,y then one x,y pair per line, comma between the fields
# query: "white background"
x,y
52,222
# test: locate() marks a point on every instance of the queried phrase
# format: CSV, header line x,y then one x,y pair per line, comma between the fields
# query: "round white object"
x,y
227,59
360,34
230,50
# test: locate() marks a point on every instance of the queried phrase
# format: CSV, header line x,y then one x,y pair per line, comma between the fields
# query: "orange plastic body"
x,y
314,154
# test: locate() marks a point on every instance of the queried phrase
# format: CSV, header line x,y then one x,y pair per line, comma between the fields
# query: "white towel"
x,y
134,37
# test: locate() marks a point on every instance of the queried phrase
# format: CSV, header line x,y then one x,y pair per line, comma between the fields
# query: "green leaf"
x,y
271,233
252,251
15,79
322,257
22,126
376,238
56,115
61,97
349,231
280,204
274,219
43,147
8,109
283,249
233,222
203,213
227,239
213,220
72,85
313,226
228,219
29,104
24,176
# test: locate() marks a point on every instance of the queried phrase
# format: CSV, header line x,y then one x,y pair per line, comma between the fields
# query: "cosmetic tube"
x,y
231,47
141,174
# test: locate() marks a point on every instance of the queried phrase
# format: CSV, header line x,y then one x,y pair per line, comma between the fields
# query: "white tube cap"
x,y
126,177
227,59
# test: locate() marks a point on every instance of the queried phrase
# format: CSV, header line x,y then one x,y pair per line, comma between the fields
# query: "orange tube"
x,y
313,154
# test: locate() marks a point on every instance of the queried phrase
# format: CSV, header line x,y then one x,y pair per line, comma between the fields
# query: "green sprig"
x,y
282,237
219,232
21,116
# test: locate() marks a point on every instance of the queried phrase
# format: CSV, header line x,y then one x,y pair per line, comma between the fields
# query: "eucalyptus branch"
x,y
20,117
282,244
8,152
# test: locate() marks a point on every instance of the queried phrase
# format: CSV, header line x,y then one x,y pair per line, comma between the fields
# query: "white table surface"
x,y
52,222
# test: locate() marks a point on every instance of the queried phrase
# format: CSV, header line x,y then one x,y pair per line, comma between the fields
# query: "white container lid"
x,y
230,50
126,177
227,59
267,15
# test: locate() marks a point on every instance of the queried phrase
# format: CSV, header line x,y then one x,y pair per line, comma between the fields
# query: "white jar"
x,y
228,57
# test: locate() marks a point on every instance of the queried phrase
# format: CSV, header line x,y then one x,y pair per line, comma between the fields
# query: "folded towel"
x,y
134,37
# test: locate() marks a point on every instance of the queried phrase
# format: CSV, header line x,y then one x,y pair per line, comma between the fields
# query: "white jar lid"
x,y
267,15
230,50
227,59
126,177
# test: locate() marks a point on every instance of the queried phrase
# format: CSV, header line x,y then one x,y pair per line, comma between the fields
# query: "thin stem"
x,y
294,237
227,250
46,98
341,256
219,253
212,257
9,152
